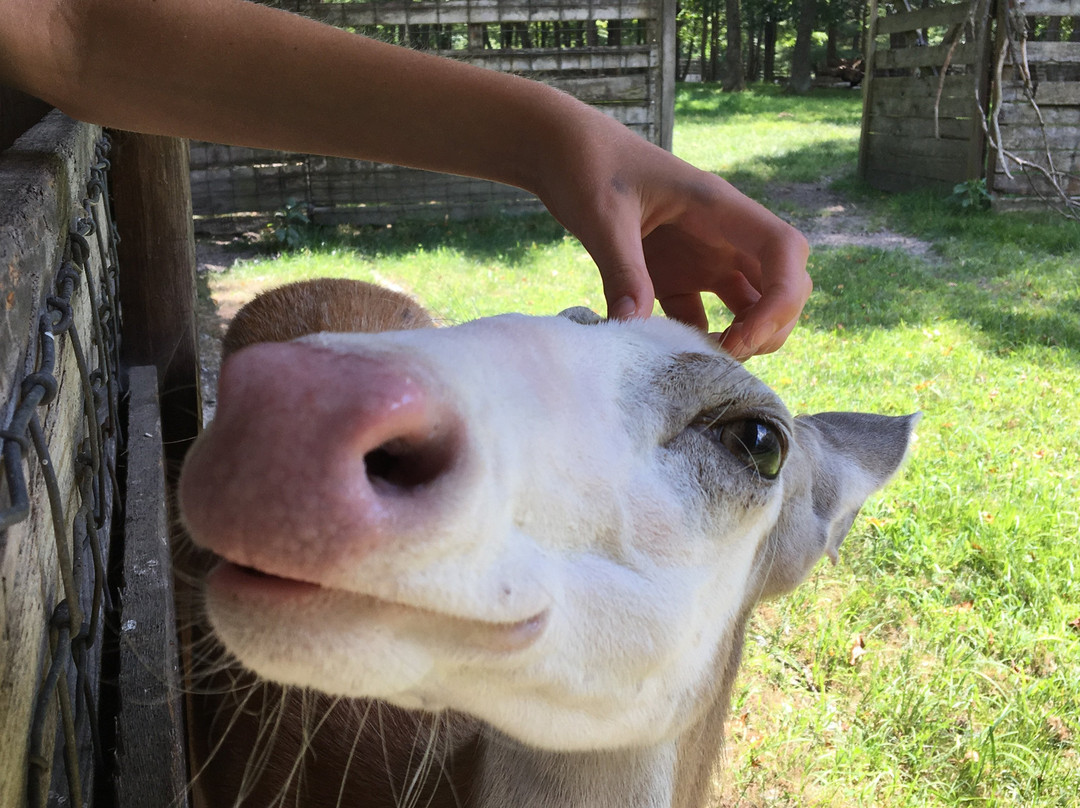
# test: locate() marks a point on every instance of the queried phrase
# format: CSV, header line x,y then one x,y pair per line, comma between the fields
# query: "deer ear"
x,y
837,459
581,315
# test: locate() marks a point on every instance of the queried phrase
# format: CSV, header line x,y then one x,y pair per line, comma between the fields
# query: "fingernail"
x,y
733,342
622,309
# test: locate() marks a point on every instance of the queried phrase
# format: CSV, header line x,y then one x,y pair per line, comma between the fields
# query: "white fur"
x,y
578,573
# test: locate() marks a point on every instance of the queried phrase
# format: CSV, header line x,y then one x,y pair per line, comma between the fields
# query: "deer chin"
x,y
238,596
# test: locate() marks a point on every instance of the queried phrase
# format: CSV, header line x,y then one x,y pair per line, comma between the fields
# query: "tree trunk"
x,y
714,42
768,59
704,42
614,32
753,52
734,82
801,77
685,70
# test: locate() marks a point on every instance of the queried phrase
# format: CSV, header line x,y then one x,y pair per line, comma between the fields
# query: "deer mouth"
x,y
243,588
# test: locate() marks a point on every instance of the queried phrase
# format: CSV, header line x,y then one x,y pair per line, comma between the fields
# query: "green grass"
x,y
763,136
461,270
939,663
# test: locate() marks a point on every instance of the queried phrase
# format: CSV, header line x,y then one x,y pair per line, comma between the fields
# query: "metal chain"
x,y
82,539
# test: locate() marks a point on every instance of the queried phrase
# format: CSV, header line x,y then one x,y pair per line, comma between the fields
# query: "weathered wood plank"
x,y
885,178
1066,160
152,197
917,150
869,89
1054,52
1060,140
923,127
1047,93
1030,184
923,18
547,60
446,12
42,179
925,162
1050,8
899,106
933,56
151,764
954,86
1022,113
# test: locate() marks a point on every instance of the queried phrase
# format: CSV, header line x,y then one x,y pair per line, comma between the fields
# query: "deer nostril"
x,y
402,464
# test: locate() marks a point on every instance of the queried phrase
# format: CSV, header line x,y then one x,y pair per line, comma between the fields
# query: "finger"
x,y
687,309
777,340
620,258
743,340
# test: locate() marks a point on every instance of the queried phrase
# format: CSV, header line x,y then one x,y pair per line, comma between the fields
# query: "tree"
x,y
801,68
734,79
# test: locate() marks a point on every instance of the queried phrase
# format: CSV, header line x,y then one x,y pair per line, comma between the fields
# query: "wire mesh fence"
x,y
59,453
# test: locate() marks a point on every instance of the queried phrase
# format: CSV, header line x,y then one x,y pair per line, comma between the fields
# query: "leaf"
x,y
858,649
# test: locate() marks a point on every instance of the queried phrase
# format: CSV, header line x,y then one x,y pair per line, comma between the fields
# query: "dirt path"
x,y
831,220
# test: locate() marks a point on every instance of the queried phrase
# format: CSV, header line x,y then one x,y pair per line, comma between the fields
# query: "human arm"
x,y
237,72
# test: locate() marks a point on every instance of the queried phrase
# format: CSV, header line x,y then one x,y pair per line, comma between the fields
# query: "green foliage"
x,y
291,227
971,195
938,664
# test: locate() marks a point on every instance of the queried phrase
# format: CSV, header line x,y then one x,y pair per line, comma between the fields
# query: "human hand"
x,y
657,227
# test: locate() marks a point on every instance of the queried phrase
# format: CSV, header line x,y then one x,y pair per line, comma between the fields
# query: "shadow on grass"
x,y
820,163
505,239
861,289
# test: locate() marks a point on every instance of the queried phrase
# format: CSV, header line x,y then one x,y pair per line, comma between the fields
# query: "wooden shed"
x,y
979,89
618,55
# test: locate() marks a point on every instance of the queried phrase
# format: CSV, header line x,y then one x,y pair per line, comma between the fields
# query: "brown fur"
x,y
328,304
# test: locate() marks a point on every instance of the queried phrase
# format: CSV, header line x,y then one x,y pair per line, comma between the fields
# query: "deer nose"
x,y
316,457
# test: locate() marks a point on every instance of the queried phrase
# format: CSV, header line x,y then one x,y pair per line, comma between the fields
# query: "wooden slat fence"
x,y
939,78
617,55
1048,132
924,95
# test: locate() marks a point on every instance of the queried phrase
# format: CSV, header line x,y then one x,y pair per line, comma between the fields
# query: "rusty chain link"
x,y
82,539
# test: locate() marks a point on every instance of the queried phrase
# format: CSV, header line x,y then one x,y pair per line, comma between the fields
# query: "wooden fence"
x,y
59,406
77,721
924,96
947,76
1038,122
617,55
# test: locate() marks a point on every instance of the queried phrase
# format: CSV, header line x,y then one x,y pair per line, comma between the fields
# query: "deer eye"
x,y
758,444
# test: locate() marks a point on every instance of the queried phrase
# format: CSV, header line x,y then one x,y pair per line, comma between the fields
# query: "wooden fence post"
x,y
669,57
151,191
868,78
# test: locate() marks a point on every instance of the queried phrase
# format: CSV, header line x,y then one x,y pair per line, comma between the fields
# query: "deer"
x,y
507,562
